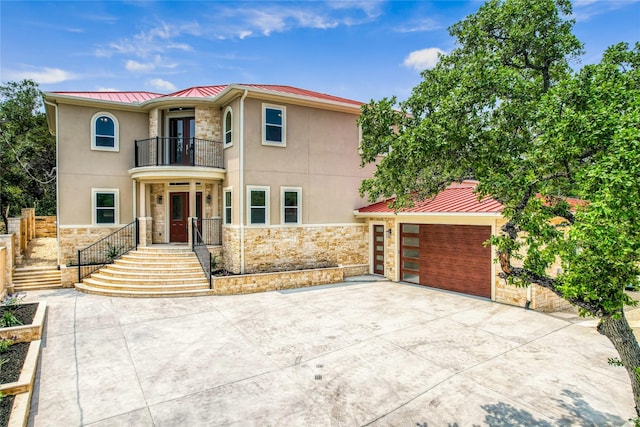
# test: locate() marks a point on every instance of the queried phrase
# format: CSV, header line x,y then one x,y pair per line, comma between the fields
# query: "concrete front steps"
x,y
150,272
36,278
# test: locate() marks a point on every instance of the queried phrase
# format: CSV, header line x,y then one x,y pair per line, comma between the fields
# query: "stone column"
x,y
144,229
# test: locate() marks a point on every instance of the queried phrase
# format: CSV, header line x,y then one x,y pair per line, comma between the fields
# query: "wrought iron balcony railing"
x,y
169,151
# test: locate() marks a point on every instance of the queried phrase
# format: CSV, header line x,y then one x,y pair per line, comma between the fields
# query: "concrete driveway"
x,y
361,353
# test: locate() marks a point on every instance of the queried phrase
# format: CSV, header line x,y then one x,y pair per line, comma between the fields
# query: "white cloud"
x,y
135,66
44,75
107,89
584,10
422,25
420,60
161,85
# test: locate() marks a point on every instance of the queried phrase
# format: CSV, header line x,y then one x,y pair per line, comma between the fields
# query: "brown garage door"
x,y
450,257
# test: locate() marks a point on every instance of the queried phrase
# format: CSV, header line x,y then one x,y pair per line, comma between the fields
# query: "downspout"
x,y
55,107
241,189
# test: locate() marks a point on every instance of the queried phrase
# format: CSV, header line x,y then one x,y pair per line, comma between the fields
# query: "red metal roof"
x,y
457,198
124,97
205,92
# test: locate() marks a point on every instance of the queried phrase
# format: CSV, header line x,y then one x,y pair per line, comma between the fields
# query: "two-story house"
x,y
274,171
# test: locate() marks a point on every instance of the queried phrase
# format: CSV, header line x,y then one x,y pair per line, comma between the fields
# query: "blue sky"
x,y
355,49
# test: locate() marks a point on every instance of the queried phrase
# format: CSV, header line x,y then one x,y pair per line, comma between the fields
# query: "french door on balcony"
x,y
181,132
179,216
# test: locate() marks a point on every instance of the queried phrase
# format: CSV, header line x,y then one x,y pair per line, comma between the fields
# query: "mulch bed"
x,y
24,312
10,370
5,410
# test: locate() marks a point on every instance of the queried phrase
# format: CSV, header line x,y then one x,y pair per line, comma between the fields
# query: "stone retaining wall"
x,y
74,238
3,266
262,282
296,248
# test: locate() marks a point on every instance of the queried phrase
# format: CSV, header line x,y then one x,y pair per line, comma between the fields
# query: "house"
x,y
440,243
272,170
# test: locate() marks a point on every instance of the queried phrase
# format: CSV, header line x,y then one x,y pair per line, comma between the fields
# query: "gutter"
x,y
241,185
56,134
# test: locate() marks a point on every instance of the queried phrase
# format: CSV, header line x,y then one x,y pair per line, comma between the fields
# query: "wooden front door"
x,y
181,130
179,216
378,249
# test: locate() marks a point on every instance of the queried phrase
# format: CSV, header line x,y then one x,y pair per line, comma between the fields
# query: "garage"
x,y
449,257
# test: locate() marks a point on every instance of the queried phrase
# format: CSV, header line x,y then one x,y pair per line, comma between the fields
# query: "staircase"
x,y
150,272
36,278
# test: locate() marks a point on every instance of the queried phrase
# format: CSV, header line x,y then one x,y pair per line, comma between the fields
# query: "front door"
x,y
179,208
181,132
179,216
378,249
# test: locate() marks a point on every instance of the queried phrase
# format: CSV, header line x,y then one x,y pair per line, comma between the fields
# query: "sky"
x,y
360,50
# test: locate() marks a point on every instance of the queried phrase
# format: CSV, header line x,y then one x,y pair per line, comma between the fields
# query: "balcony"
x,y
177,157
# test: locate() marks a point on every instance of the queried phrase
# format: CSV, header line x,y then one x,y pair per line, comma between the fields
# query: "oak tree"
x,y
559,148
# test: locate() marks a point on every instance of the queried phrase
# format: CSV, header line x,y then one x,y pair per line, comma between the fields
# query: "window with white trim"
x,y
228,127
105,206
104,132
274,125
258,205
228,201
291,201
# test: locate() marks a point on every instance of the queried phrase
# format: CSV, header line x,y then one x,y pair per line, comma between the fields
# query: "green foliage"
x,y
112,252
5,344
27,151
505,108
10,304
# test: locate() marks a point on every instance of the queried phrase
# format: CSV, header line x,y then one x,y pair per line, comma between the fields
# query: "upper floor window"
x,y
105,206
104,132
274,125
291,199
228,127
227,205
258,212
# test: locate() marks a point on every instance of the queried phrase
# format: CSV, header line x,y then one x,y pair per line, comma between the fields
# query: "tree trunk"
x,y
621,336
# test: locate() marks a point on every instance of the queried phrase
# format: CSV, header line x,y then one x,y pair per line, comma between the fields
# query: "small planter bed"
x,y
17,375
31,315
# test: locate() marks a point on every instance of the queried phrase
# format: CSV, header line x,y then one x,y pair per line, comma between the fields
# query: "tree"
x,y
27,153
506,108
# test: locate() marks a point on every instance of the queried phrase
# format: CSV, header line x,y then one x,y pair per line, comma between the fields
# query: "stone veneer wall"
x,y
208,123
153,123
269,249
249,283
74,238
158,227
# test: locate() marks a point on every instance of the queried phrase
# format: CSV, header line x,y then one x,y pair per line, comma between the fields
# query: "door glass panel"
x,y
177,212
379,267
410,265
379,239
411,253
410,228
411,241
410,277
379,248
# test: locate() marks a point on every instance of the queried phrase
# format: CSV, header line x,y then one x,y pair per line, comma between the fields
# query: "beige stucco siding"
x,y
80,168
320,156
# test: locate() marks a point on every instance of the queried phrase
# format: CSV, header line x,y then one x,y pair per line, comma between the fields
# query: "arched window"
x,y
228,127
104,132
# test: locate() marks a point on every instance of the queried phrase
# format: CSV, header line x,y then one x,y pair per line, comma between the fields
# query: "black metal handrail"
x,y
170,151
199,247
210,231
106,250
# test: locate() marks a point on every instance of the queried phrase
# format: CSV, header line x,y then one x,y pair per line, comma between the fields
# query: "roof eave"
x,y
91,102
359,214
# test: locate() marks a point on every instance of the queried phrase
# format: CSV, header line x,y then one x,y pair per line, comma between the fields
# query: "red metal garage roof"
x,y
458,197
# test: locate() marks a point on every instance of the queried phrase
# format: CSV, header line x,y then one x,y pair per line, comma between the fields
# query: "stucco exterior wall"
x,y
321,156
80,168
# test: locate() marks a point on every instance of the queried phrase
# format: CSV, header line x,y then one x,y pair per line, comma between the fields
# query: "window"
x,y
258,212
104,132
227,206
105,206
273,129
228,126
291,200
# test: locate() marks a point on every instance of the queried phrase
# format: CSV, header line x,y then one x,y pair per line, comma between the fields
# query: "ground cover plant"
x,y
557,145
